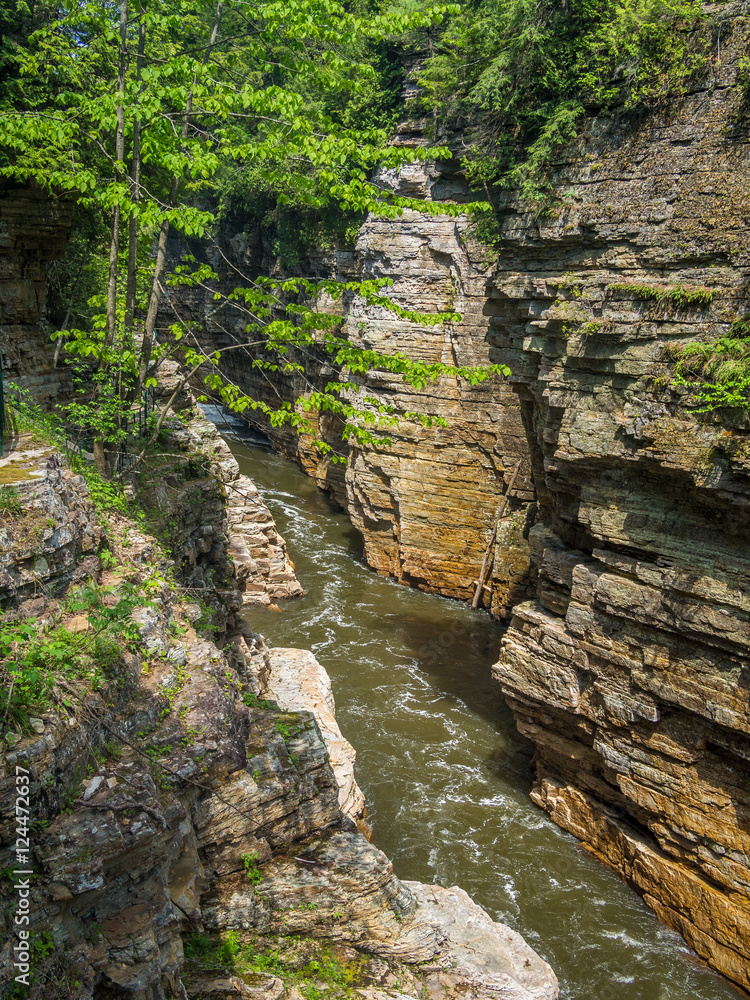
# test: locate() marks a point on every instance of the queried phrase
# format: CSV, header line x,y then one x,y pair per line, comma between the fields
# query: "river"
x,y
445,773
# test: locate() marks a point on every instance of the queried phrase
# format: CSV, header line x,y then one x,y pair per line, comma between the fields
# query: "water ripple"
x,y
446,775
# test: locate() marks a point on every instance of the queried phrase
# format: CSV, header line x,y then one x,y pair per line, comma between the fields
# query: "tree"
x,y
519,76
138,111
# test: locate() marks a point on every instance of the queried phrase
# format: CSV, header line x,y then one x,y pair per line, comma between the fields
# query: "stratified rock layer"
x,y
298,681
426,503
33,231
168,799
630,669
263,569
49,537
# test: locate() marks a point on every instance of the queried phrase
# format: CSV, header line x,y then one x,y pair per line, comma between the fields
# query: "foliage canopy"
x,y
144,112
517,76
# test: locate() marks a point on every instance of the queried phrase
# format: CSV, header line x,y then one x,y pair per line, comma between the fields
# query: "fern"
x,y
679,296
716,373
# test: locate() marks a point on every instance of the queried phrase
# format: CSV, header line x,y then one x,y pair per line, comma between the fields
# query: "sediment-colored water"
x,y
445,773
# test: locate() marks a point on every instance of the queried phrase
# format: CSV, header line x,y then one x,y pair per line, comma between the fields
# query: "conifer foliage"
x,y
518,77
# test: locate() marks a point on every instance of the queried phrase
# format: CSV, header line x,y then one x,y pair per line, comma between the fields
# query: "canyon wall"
x,y
164,801
629,670
33,231
427,502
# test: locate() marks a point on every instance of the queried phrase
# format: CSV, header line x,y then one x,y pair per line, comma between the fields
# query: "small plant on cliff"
x,y
10,504
678,296
253,701
717,372
39,661
315,968
252,871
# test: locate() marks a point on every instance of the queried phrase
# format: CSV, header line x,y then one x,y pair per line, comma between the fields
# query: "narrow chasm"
x,y
445,773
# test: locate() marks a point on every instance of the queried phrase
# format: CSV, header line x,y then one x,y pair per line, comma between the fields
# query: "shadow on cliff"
x,y
457,660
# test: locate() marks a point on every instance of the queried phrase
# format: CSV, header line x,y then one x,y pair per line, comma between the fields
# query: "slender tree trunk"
x,y
161,249
104,452
59,344
135,180
119,159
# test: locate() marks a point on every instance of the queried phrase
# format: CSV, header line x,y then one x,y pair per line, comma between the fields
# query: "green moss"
x,y
310,965
15,472
678,296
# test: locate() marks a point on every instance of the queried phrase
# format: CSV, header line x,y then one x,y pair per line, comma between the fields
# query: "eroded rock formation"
x,y
298,681
427,503
630,669
257,552
170,798
33,231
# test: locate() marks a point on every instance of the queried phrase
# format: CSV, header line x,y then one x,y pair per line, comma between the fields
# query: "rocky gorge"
x,y
619,566
183,793
621,563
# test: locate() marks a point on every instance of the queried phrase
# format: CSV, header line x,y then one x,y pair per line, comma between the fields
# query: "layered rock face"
x,y
297,681
52,539
33,231
256,551
169,799
427,502
629,670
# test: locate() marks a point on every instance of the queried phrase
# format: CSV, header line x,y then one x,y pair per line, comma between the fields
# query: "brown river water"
x,y
445,772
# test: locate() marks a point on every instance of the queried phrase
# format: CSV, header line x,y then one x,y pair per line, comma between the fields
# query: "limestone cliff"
x,y
256,551
629,670
173,807
426,504
33,231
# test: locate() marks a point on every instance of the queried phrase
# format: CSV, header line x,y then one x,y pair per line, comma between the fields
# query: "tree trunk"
x,y
119,158
104,457
161,251
135,181
101,449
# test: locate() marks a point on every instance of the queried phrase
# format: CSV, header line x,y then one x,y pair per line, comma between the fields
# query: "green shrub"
x,y
10,504
717,372
34,658
250,862
107,495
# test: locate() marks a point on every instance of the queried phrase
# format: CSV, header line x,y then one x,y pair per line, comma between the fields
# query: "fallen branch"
x,y
490,545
